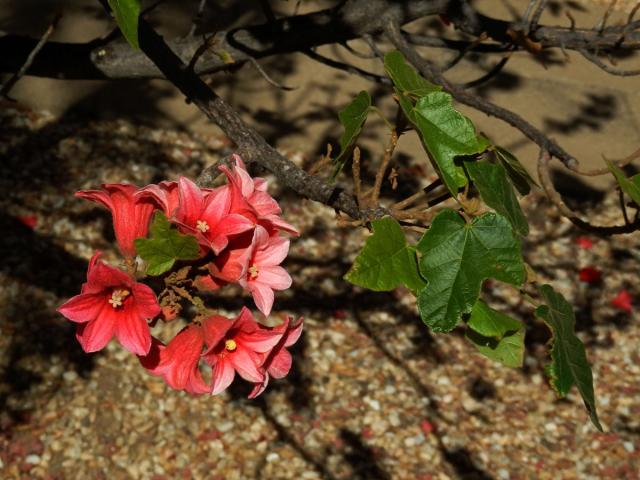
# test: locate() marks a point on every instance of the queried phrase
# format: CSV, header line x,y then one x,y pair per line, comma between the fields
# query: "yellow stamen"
x,y
230,345
117,297
253,271
202,226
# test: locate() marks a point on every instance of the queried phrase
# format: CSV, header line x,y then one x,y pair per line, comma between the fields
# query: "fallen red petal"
x,y
30,221
590,275
622,301
584,242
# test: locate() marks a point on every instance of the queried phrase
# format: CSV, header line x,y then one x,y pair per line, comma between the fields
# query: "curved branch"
x,y
547,184
104,58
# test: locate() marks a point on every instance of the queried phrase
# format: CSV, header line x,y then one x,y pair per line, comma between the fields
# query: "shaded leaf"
x,y
569,364
165,246
456,257
497,193
516,171
127,13
630,186
386,260
508,350
496,335
352,118
446,134
406,79
491,323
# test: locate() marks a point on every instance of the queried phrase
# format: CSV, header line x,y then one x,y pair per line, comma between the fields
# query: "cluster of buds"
x,y
232,234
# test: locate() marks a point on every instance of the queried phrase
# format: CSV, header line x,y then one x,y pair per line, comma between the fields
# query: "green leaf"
x,y
447,134
406,79
630,186
165,246
127,13
496,335
508,350
456,257
569,360
497,193
517,173
352,118
386,260
491,323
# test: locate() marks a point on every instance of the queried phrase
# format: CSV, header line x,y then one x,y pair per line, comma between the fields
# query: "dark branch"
x,y
251,146
104,58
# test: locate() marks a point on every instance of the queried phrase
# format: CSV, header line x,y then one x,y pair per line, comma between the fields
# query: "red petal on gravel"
x,y
367,433
590,275
623,301
584,242
426,427
30,221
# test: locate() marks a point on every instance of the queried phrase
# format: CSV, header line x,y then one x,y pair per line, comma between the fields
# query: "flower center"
x,y
253,271
202,226
230,345
117,297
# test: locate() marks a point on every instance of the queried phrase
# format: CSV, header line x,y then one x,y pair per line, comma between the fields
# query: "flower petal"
x,y
132,330
274,253
191,202
280,364
215,328
259,387
84,307
276,278
261,340
95,335
223,374
247,364
262,296
146,302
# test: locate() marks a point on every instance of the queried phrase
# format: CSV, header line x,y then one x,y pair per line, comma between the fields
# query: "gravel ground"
x,y
372,394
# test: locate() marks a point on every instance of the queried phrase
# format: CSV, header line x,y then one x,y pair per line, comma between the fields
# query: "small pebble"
x,y
32,459
504,474
629,447
224,426
273,457
70,375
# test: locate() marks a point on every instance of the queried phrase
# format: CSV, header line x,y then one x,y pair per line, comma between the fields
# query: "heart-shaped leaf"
x,y
386,260
456,257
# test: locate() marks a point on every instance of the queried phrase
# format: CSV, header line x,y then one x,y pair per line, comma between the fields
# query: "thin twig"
x,y
269,80
600,26
605,170
623,207
346,67
568,14
357,182
524,22
547,185
353,51
197,19
382,170
593,58
8,85
487,76
452,63
535,18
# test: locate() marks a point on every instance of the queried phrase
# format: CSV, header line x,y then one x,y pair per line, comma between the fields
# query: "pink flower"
x,y
236,346
206,214
622,301
264,275
165,194
177,362
131,215
254,192
112,303
278,361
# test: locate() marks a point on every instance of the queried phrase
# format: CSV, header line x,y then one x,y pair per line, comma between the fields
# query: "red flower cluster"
x,y
238,227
